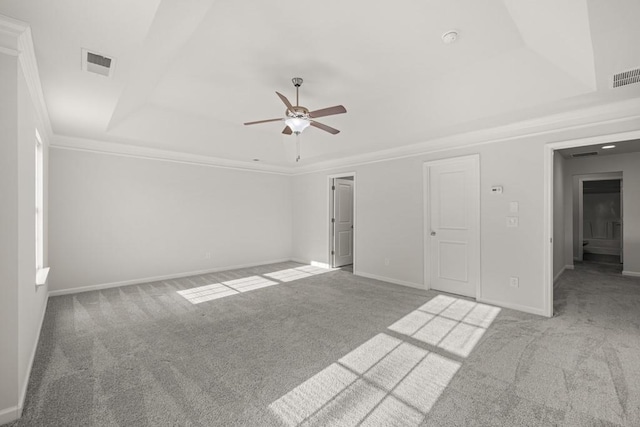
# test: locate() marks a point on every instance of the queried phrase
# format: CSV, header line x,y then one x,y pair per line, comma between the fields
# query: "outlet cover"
x,y
514,282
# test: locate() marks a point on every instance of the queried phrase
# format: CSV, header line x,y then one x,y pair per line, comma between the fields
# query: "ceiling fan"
x,y
298,118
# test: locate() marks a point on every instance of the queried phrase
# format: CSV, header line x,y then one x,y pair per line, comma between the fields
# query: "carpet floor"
x,y
289,345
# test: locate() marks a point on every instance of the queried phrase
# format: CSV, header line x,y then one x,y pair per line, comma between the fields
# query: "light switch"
x,y
512,221
514,207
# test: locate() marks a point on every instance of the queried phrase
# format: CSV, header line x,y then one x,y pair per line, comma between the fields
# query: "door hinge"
x,y
333,220
333,252
333,187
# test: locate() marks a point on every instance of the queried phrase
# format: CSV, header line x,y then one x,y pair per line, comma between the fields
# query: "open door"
x,y
342,222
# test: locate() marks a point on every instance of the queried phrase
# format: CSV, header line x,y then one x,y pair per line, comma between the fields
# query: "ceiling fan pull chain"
x,y
298,147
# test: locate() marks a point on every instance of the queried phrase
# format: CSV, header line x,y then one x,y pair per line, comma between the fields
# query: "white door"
x,y
453,225
342,222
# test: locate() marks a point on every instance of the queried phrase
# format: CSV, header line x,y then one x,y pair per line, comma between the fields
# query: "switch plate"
x,y
514,207
514,282
496,189
512,221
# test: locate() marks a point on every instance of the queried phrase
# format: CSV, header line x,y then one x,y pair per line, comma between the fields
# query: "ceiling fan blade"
x,y
287,130
325,127
286,102
263,121
338,109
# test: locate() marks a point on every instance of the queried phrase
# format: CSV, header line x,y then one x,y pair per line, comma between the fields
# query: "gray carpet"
x,y
282,345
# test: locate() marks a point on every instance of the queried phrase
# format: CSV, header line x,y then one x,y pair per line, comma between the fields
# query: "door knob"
x,y
433,233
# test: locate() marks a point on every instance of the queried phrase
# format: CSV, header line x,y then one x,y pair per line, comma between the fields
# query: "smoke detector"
x,y
450,37
97,63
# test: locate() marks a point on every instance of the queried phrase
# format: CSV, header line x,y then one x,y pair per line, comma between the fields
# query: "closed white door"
x,y
453,225
342,222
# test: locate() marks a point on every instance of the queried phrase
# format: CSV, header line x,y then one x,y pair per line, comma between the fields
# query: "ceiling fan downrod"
x,y
297,82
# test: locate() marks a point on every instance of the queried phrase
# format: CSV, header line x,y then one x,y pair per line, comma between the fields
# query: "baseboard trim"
x,y
570,267
25,383
518,307
631,273
9,414
390,280
312,263
101,286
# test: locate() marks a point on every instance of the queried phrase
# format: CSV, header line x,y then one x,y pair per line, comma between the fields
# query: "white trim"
x,y
475,158
101,286
511,306
9,414
592,117
313,263
41,276
29,65
125,150
548,200
589,117
631,273
390,280
569,267
22,46
25,383
8,51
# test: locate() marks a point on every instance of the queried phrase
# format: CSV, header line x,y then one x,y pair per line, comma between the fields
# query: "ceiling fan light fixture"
x,y
297,124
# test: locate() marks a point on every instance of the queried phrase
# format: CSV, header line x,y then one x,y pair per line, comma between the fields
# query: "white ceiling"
x,y
188,74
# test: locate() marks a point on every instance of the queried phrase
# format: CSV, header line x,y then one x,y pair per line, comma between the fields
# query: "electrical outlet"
x,y
207,255
512,221
514,282
386,261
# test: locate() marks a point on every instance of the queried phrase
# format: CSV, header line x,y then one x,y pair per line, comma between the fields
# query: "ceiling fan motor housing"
x,y
298,111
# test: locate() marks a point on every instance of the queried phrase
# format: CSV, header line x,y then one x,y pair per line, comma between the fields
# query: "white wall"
x,y
8,237
22,304
121,219
559,261
629,165
389,215
389,220
32,300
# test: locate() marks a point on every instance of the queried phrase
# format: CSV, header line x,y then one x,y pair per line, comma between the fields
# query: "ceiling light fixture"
x,y
298,123
608,147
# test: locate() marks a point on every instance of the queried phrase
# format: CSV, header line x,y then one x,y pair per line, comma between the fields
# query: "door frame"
x,y
475,158
548,150
330,213
604,176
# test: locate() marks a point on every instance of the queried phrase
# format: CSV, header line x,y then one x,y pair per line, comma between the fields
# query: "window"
x,y
41,272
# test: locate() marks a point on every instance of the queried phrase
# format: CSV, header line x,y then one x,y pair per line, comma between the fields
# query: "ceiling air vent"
x,y
626,78
97,63
587,154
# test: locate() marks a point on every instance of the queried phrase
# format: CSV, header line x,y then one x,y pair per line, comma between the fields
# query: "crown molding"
x,y
126,150
614,113
16,40
618,112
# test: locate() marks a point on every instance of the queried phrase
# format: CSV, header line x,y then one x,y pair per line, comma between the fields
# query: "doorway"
x,y
342,221
579,147
598,219
452,225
